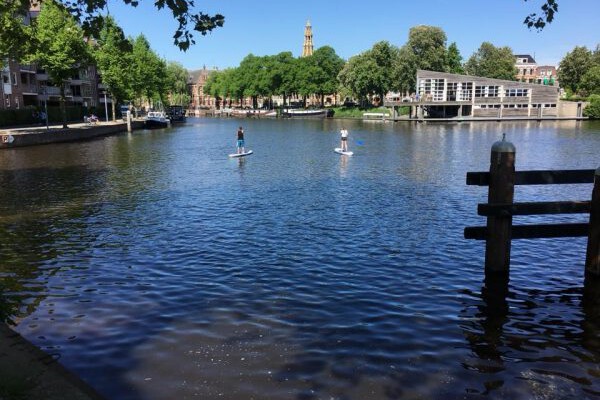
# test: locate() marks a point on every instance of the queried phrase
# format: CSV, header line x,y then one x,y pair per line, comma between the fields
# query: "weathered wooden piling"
x,y
500,209
501,191
592,260
128,121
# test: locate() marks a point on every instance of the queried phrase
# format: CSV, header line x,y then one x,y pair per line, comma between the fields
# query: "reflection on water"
x,y
533,343
159,268
343,166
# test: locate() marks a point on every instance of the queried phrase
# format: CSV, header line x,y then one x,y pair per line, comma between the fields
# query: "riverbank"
x,y
35,135
32,374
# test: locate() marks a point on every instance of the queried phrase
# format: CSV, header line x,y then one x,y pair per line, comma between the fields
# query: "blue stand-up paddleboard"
x,y
241,154
344,153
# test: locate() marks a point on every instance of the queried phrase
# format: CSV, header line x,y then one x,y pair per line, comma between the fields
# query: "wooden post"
x,y
128,121
592,260
501,190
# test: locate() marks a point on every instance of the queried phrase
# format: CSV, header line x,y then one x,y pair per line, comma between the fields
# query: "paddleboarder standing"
x,y
344,141
240,141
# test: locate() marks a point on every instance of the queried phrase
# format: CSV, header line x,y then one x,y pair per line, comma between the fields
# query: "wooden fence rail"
x,y
500,209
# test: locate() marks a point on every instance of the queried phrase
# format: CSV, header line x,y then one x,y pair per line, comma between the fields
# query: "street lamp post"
x,y
46,105
105,107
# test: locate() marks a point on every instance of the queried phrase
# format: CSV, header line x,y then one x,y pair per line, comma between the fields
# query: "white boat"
x,y
318,113
375,116
157,119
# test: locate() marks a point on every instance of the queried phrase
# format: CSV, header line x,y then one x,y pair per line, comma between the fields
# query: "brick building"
x,y
28,85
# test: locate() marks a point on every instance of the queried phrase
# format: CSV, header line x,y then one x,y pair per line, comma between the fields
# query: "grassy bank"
x,y
356,112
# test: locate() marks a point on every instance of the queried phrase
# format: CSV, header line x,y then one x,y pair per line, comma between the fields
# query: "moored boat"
x,y
176,113
316,113
156,119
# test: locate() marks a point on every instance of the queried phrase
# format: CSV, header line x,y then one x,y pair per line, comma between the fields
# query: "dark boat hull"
x,y
150,124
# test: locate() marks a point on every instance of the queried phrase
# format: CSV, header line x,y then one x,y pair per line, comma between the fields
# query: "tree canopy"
x,y
454,60
492,62
425,49
59,46
176,83
573,66
113,57
88,15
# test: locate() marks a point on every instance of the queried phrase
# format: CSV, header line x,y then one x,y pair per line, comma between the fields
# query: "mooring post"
x,y
501,191
128,121
592,259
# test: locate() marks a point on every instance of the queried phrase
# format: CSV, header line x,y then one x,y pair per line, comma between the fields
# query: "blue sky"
x,y
267,27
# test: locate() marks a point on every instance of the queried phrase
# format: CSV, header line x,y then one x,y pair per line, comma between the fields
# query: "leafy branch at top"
x,y
88,13
549,8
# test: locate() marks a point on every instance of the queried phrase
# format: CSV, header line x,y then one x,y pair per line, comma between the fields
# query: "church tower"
x,y
307,49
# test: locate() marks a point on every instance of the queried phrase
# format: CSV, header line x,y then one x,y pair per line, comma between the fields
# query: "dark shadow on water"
x,y
532,343
46,211
29,231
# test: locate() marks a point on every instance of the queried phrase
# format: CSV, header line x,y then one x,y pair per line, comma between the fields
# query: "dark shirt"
x,y
240,134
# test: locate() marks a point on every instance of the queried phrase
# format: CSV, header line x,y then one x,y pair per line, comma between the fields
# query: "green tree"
x,y
147,72
177,81
573,66
253,75
593,109
425,49
428,44
371,73
305,70
218,85
113,57
15,37
88,15
284,68
405,70
328,66
454,60
590,81
60,48
492,62
596,55
360,76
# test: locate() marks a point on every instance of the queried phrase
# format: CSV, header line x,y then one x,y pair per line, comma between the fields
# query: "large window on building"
x,y
432,89
465,91
516,92
487,91
451,90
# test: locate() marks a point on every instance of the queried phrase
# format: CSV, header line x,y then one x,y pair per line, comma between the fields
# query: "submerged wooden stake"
x,y
592,260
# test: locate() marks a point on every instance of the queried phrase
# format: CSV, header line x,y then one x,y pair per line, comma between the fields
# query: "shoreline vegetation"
x,y
356,112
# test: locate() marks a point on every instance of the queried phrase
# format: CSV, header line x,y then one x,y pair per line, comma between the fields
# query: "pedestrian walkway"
x,y
36,135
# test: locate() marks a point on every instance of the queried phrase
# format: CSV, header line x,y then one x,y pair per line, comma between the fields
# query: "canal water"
x,y
156,267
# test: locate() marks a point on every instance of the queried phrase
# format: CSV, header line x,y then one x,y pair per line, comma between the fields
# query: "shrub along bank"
x,y
356,112
593,109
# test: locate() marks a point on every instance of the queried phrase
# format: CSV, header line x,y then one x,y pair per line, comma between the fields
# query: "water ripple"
x,y
158,268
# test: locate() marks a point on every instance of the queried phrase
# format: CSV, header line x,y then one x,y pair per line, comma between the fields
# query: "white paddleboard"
x,y
345,153
241,154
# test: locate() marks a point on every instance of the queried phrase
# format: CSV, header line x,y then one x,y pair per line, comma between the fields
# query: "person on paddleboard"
x,y
344,142
240,141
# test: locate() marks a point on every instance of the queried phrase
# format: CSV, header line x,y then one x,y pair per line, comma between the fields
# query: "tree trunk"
x,y
63,108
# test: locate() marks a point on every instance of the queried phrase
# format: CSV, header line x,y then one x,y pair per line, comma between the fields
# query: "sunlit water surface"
x,y
155,267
